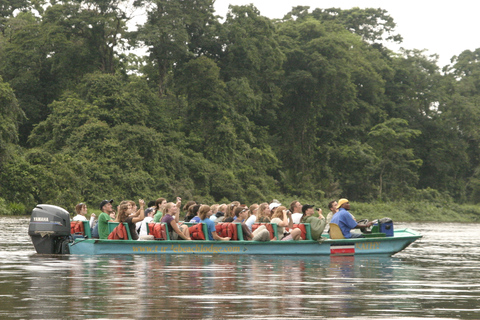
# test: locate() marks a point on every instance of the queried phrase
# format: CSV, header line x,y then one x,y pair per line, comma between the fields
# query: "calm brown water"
x,y
436,278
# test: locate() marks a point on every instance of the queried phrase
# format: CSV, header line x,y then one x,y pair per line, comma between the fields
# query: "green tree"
x,y
176,31
10,115
370,23
397,164
251,53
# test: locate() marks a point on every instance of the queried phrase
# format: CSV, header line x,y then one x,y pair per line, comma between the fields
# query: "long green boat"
x,y
378,246
50,232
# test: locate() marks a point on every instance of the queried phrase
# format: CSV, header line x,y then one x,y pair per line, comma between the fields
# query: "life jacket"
x,y
76,227
119,233
302,228
157,230
196,232
227,229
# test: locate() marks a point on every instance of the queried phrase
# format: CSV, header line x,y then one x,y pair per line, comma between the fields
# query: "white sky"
x,y
441,27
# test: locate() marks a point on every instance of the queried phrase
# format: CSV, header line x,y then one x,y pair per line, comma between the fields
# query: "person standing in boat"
x,y
317,225
81,210
204,214
346,222
171,216
104,217
126,214
283,219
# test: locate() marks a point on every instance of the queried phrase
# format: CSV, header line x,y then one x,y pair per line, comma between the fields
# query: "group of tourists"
x,y
161,210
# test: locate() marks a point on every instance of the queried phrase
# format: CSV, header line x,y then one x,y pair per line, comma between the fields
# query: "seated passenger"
x,y
263,213
220,214
81,210
188,210
126,214
260,234
204,214
296,210
273,206
149,213
346,222
333,207
230,211
134,207
159,204
317,225
171,215
284,219
252,211
104,217
195,212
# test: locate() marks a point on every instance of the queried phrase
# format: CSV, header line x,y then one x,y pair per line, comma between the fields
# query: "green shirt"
x,y
157,216
103,231
316,225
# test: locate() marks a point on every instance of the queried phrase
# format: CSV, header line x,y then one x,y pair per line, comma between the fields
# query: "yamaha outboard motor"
x,y
50,229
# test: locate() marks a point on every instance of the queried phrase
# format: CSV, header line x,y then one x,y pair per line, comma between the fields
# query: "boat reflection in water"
x,y
174,286
436,277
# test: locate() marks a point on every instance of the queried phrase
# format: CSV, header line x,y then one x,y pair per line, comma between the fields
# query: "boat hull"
x,y
359,246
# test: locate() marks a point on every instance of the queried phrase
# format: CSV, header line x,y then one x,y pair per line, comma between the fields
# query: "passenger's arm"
x,y
176,229
284,222
320,215
92,219
140,213
217,237
290,220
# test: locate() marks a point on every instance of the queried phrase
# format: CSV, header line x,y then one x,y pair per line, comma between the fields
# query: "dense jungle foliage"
x,y
242,108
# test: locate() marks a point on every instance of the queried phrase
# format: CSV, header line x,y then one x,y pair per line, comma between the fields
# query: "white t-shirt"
x,y
143,225
79,217
296,217
250,221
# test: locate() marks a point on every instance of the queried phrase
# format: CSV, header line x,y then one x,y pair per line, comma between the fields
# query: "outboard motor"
x,y
50,229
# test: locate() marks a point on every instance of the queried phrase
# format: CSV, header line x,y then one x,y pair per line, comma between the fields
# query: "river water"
x,y
437,277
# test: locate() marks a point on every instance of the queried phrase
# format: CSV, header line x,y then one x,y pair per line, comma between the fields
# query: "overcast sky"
x,y
444,28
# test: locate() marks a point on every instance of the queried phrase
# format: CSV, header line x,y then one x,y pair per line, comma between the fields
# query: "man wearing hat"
x,y
104,217
345,221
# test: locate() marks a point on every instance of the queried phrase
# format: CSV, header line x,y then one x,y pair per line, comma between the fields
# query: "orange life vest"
x,y
196,232
119,233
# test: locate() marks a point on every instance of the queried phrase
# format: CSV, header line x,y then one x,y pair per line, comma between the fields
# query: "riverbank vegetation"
x,y
311,106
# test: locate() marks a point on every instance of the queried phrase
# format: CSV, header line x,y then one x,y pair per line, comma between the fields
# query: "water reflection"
x,y
433,278
207,286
